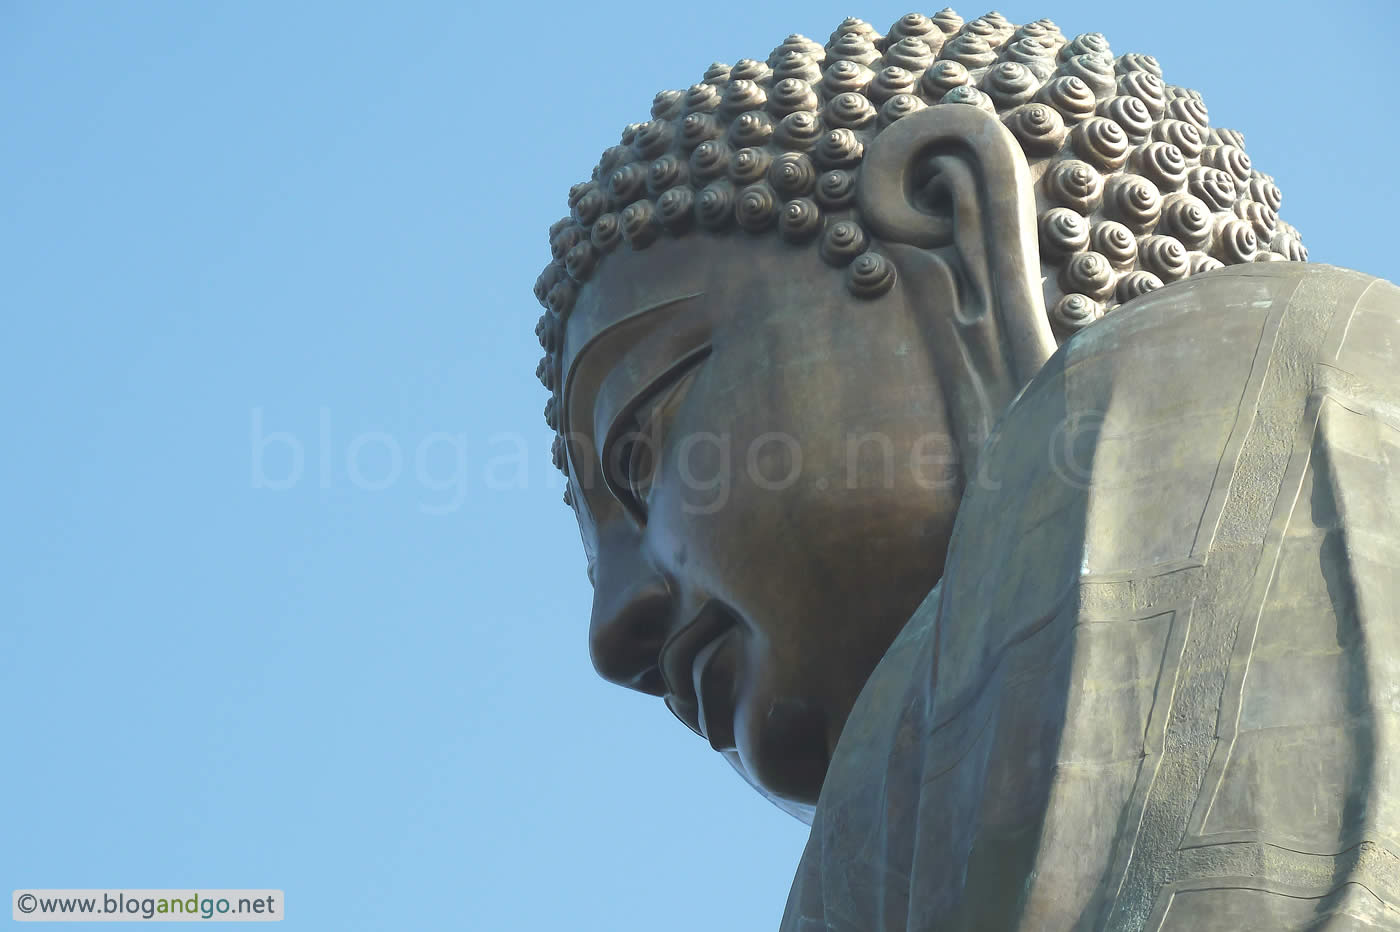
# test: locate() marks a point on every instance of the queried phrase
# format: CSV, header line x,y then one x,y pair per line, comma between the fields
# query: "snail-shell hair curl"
x,y
1135,187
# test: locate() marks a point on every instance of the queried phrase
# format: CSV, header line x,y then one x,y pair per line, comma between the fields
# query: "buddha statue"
x,y
963,447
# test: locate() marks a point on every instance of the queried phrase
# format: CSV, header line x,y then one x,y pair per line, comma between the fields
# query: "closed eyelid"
x,y
653,388
667,311
603,373
628,413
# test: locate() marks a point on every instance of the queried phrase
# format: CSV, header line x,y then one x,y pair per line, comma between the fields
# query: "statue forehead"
x,y
699,282
633,286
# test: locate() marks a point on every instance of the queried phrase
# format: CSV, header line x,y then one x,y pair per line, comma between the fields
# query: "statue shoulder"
x,y
1181,528
1162,505
1130,435
1267,312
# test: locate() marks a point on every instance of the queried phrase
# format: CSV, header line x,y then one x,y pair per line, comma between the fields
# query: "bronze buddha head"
x,y
785,312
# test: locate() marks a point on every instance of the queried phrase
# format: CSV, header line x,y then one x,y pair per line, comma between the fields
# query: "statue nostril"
x,y
626,634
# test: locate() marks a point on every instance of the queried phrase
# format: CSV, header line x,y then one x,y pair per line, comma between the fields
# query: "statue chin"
x,y
803,812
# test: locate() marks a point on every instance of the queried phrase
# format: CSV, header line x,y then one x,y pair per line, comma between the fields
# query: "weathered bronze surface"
x,y
1156,687
933,468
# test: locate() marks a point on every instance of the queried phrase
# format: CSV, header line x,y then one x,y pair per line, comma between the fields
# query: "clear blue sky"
x,y
319,223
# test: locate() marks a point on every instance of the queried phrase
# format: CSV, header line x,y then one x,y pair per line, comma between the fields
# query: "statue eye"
x,y
635,454
641,462
631,462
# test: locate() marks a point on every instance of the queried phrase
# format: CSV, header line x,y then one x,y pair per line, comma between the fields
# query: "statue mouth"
x,y
699,690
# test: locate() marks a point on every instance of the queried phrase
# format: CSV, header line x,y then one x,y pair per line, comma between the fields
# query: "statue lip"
x,y
714,689
684,659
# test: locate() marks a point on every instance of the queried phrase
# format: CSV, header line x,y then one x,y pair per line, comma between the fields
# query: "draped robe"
x,y
1158,686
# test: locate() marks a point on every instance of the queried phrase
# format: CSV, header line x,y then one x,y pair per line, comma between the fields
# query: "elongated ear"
x,y
947,192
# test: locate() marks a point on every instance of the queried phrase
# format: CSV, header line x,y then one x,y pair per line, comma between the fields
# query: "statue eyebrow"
x,y
664,303
605,333
657,384
627,319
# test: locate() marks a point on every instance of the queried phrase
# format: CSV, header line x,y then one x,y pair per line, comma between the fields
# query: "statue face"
x,y
765,483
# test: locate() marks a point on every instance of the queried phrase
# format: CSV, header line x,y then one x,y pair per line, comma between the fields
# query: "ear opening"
x,y
948,192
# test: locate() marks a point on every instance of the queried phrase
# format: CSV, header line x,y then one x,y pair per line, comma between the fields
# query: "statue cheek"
x,y
695,481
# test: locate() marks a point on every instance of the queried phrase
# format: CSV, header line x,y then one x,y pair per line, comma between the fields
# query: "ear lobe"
x,y
948,186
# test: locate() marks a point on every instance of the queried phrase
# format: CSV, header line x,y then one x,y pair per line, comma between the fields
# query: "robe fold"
x,y
1158,687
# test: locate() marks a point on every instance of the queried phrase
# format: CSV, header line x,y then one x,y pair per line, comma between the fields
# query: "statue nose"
x,y
629,625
